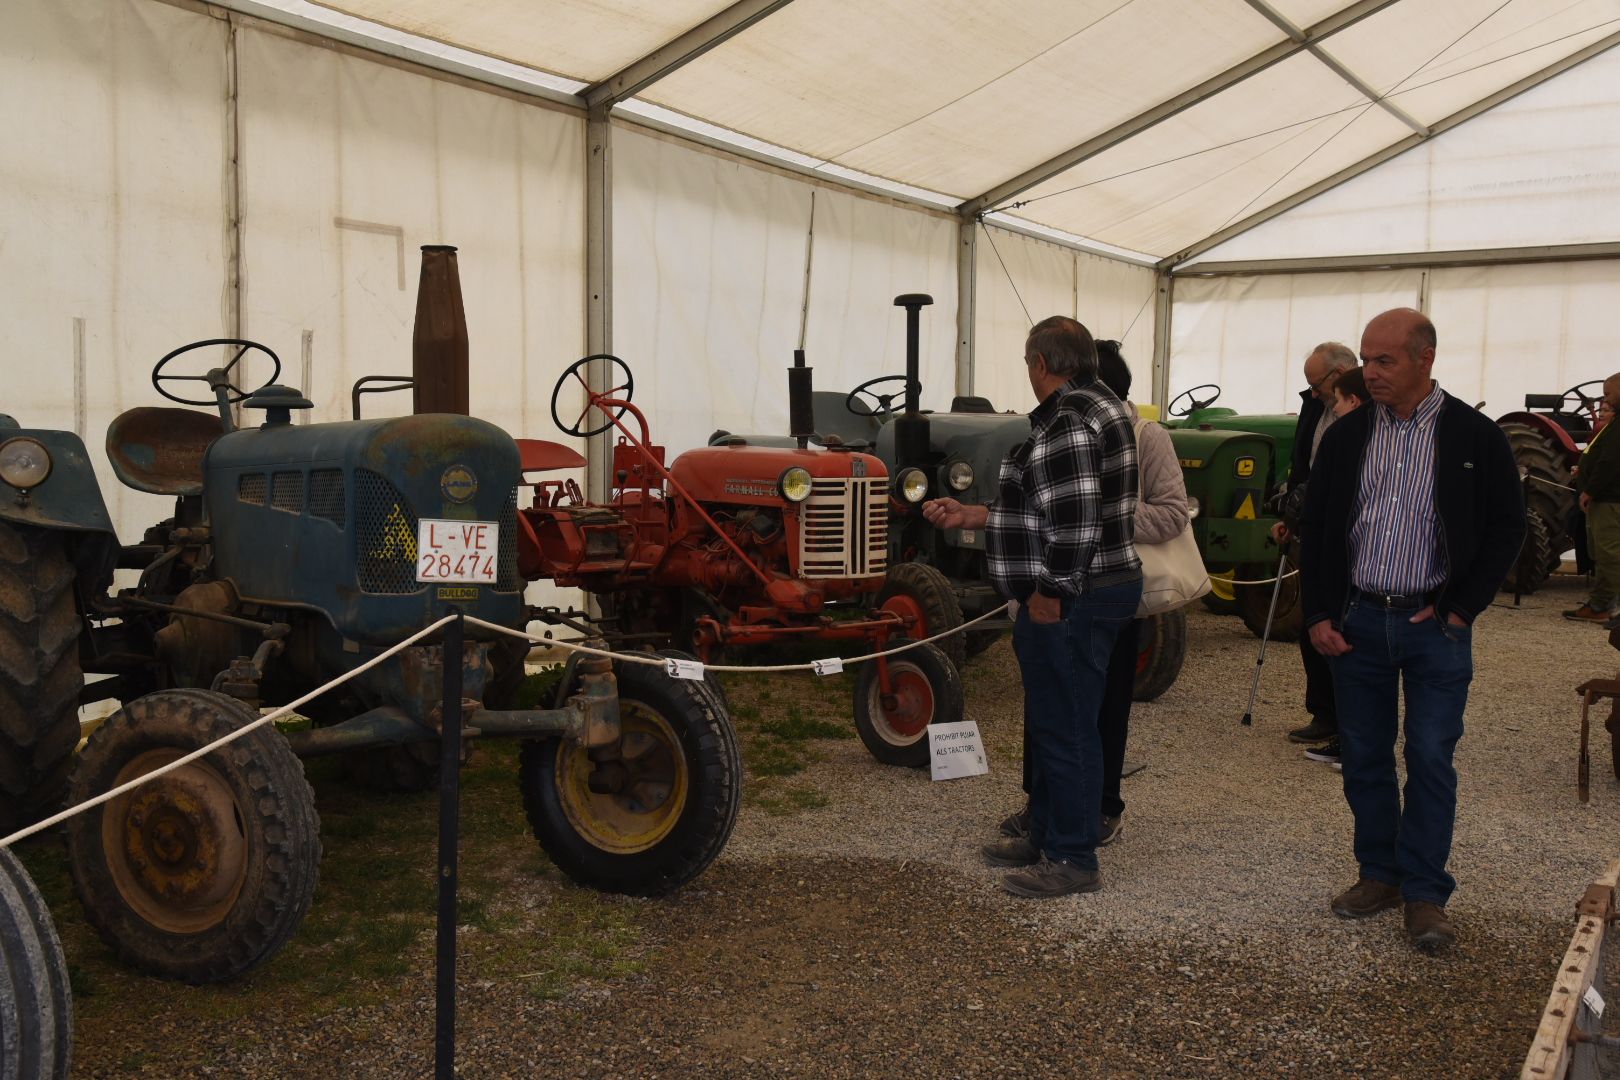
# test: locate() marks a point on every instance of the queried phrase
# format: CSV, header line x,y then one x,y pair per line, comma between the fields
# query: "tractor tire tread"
x,y
932,592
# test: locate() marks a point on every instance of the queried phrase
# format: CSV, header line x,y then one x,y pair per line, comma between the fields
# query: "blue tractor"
x,y
295,554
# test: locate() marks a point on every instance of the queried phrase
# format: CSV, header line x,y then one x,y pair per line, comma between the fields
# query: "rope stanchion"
x,y
268,718
444,1038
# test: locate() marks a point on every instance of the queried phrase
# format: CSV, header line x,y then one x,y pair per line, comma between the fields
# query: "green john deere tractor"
x,y
1233,465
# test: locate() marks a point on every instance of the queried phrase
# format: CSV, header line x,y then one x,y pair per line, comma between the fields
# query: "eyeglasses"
x,y
1327,380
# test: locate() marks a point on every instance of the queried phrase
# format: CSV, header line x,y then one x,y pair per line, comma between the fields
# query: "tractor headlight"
x,y
912,485
795,484
1193,508
959,476
24,463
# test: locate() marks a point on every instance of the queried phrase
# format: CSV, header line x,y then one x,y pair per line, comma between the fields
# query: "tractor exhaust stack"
x,y
911,427
801,414
439,340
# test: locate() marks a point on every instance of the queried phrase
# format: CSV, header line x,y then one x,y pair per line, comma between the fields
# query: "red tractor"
x,y
1547,439
733,546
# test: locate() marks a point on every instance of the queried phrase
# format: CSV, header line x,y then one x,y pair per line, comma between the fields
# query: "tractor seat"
x,y
963,403
161,449
538,455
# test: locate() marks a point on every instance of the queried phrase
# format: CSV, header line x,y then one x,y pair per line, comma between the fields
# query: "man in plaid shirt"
x,y
1059,542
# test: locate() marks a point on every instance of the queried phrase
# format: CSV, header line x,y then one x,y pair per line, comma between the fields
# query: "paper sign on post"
x,y
684,669
832,665
1594,1001
463,551
955,750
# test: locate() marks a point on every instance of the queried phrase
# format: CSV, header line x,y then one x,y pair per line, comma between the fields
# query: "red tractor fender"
x,y
1548,428
540,455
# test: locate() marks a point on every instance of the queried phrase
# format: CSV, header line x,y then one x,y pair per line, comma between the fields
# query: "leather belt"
x,y
1396,601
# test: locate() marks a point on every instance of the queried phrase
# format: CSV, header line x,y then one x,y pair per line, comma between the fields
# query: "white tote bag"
x,y
1172,572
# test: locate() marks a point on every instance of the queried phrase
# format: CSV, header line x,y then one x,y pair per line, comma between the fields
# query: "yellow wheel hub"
x,y
1220,583
648,784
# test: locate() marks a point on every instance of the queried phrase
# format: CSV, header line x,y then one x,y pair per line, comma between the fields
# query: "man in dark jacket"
x,y
1598,482
1413,517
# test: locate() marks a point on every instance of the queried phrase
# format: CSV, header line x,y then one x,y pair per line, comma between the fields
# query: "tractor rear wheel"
x,y
661,810
1534,564
927,690
36,1005
40,678
1222,595
1547,479
1161,644
204,873
1254,602
922,593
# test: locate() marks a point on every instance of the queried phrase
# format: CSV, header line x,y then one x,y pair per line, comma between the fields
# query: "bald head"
x,y
1397,352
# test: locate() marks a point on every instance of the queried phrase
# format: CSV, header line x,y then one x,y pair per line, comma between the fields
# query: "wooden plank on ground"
x,y
1549,1054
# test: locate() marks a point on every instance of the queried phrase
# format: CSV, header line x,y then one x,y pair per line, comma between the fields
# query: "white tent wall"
x,y
1250,335
1506,331
1110,297
348,167
1538,169
709,282
114,222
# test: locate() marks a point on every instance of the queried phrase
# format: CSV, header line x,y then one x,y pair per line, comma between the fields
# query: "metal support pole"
x,y
599,288
1164,301
444,1040
967,246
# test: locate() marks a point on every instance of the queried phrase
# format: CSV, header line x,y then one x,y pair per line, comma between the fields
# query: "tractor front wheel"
x,y
926,689
1161,648
924,595
204,873
36,1002
653,811
1254,602
40,678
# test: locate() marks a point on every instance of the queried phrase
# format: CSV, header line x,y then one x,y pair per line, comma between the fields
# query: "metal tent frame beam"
x,y
1427,260
715,30
1394,150
1010,189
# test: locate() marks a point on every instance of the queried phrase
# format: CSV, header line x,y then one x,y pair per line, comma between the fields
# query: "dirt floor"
x,y
849,929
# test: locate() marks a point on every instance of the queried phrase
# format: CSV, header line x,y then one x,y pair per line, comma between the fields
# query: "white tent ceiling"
x,y
1151,125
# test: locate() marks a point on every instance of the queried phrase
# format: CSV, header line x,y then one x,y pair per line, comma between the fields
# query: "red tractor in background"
x,y
1547,440
733,546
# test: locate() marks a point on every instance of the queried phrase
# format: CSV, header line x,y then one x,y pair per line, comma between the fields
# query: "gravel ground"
x,y
864,937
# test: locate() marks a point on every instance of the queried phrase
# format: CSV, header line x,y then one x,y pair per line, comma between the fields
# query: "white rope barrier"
x,y
1548,483
1262,581
268,718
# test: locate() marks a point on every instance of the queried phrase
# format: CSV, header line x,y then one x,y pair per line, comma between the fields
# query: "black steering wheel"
x,y
576,370
1583,400
217,378
884,402
1193,402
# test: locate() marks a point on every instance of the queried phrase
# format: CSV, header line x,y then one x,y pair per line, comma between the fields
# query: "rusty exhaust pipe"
x,y
439,340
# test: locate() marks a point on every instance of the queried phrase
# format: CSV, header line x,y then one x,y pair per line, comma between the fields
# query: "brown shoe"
x,y
1014,852
1428,927
1587,613
1365,898
1047,879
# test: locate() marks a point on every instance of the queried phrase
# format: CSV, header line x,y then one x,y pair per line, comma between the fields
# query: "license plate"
x,y
457,551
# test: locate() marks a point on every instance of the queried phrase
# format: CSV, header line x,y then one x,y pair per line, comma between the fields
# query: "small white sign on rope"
x,y
684,669
955,750
831,665
1594,1001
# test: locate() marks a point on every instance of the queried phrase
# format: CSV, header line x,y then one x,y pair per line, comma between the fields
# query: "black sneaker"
x,y
1016,826
1112,826
1328,752
1315,731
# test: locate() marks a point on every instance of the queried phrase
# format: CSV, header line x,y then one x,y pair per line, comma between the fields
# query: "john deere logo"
x,y
1245,467
458,484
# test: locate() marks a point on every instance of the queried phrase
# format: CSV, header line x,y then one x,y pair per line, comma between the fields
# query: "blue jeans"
x,y
1065,668
1402,845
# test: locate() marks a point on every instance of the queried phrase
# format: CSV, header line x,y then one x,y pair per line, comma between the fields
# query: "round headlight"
x,y
1193,507
24,463
795,484
959,476
912,485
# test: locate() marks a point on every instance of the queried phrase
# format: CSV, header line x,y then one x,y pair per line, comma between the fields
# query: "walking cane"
x,y
1254,688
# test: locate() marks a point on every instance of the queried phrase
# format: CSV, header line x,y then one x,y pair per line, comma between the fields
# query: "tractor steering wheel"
x,y
217,378
1193,403
1583,400
885,402
576,371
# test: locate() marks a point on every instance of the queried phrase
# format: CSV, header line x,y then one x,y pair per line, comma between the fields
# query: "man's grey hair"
x,y
1335,355
1067,346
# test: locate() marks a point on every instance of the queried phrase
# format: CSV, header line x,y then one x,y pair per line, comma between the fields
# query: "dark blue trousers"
x,y
1402,841
1065,668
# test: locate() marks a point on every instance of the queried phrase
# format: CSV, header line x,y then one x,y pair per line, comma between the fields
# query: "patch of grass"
x,y
796,727
768,757
790,801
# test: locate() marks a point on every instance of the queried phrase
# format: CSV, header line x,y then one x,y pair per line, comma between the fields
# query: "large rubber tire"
x,y
1161,649
928,690
203,874
36,1005
675,814
1545,464
40,678
1254,601
925,594
1534,564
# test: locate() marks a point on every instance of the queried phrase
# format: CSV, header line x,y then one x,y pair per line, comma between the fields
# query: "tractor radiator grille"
x,y
384,536
506,569
844,529
287,492
250,488
326,495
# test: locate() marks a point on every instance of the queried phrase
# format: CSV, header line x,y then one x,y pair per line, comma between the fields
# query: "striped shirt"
x,y
1395,543
1063,520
